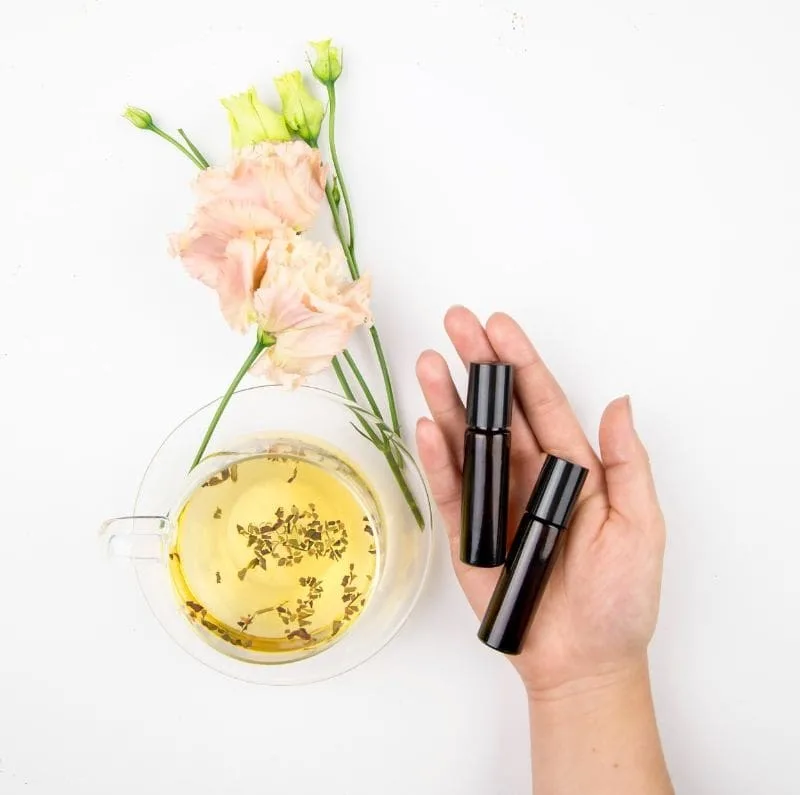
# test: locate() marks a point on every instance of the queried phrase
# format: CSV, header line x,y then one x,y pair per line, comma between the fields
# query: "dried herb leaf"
x,y
220,477
218,513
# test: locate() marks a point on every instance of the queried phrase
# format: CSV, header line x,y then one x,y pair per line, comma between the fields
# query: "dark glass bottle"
x,y
540,537
487,443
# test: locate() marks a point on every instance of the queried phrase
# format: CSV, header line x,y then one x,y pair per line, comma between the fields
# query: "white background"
x,y
624,177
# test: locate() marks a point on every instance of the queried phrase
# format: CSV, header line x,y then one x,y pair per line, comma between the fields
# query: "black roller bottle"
x,y
484,505
534,551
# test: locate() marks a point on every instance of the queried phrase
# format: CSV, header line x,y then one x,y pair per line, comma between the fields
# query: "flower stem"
x,y
195,151
404,488
387,379
350,395
348,245
373,404
351,237
248,363
382,444
177,144
352,265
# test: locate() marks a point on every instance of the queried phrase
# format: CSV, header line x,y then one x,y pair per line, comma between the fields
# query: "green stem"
x,y
248,363
195,151
177,144
352,265
350,395
382,445
404,488
373,404
348,245
387,379
351,244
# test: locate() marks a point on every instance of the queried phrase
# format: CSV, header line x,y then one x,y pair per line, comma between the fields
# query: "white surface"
x,y
622,176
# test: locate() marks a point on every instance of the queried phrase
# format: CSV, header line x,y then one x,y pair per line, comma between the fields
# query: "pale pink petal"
x,y
356,297
202,255
266,193
288,179
212,183
245,263
299,353
234,218
279,306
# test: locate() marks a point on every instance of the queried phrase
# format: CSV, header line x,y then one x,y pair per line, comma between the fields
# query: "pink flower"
x,y
287,179
268,191
309,307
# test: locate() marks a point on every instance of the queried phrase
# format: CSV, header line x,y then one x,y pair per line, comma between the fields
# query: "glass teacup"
x,y
309,559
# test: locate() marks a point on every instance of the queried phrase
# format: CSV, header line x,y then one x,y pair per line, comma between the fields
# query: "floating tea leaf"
x,y
285,552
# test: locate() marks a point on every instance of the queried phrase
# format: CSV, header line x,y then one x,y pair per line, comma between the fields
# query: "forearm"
x,y
598,738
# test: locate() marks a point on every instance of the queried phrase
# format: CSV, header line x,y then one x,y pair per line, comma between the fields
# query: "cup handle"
x,y
135,537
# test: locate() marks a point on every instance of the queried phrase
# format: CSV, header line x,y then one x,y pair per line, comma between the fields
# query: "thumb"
x,y
631,491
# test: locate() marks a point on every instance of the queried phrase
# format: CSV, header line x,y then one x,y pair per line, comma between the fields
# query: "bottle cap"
x,y
490,395
556,491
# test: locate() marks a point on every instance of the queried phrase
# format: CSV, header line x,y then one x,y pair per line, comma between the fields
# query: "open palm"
x,y
599,610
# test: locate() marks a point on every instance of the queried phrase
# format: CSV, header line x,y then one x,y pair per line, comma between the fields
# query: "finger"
x,y
444,478
550,416
443,473
443,400
472,345
629,479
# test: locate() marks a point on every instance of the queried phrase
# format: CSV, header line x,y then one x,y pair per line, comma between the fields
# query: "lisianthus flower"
x,y
327,67
307,308
251,121
302,111
268,191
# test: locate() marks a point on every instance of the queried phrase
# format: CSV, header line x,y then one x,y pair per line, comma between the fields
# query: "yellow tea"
x,y
278,553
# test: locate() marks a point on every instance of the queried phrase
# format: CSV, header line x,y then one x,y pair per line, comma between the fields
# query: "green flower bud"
x,y
252,121
303,111
328,65
138,117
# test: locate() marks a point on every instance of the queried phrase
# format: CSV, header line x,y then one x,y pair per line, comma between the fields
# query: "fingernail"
x,y
630,411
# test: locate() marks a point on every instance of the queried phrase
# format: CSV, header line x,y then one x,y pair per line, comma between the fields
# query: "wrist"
x,y
604,685
598,734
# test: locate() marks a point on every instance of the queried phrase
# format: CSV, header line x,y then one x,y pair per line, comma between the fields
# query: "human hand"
x,y
600,607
